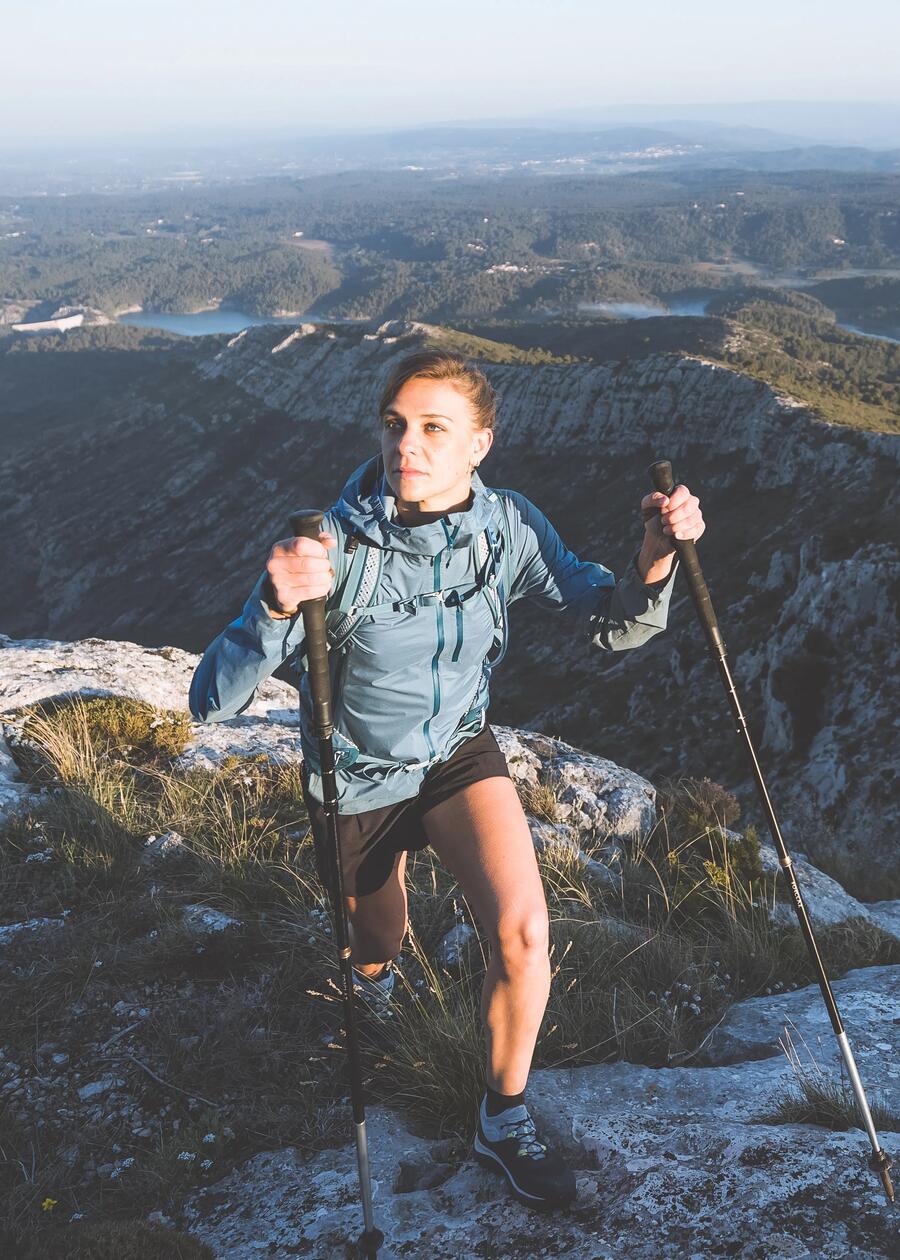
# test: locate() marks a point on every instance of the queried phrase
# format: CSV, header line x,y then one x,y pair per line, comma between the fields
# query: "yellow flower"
x,y
48,1205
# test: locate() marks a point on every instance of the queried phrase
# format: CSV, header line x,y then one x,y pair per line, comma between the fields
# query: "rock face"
x,y
671,1163
41,669
169,514
593,795
827,903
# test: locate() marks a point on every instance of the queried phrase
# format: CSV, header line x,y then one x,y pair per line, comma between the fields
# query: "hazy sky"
x,y
72,70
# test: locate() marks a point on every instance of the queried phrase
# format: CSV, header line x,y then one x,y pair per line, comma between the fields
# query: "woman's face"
x,y
429,441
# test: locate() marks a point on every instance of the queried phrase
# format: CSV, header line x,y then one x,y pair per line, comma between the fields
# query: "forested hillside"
x,y
364,245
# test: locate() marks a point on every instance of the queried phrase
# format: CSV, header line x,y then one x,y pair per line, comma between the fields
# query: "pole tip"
x,y
881,1163
370,1243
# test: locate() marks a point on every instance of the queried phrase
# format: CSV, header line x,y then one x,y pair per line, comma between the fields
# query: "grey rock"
x,y
454,944
887,915
869,1001
160,1218
826,901
206,921
594,795
11,930
39,669
99,1088
168,850
669,1163
14,794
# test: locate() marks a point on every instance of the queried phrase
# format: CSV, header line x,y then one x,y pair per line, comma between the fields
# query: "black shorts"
x,y
372,842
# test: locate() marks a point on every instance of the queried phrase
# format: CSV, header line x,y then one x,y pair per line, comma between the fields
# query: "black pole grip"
x,y
664,481
307,524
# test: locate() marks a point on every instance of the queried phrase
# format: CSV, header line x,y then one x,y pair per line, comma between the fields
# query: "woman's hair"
x,y
445,365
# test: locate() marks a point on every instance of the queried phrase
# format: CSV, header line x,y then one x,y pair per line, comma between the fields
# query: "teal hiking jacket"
x,y
414,682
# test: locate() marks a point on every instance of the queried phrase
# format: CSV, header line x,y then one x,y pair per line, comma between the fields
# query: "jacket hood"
x,y
367,503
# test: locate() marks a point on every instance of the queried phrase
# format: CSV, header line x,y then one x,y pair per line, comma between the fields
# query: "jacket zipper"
x,y
435,672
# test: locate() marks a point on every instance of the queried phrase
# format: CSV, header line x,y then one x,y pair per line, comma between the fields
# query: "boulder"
x,y
868,1000
826,901
594,796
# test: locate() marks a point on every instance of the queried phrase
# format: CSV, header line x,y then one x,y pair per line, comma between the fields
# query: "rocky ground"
x,y
675,1163
689,1161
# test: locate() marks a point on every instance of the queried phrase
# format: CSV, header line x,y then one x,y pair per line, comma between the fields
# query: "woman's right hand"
x,y
299,569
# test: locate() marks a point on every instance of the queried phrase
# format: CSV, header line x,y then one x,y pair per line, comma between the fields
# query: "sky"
x,y
82,70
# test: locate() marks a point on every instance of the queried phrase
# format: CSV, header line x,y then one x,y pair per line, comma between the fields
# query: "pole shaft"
x,y
663,480
307,524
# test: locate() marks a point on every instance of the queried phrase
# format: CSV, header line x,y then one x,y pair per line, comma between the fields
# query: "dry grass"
x,y
818,1098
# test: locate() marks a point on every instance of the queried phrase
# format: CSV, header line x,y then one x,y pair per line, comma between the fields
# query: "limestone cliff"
x,y
156,529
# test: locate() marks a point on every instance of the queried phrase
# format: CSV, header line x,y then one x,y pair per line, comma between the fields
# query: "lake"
x,y
694,306
205,323
862,332
641,310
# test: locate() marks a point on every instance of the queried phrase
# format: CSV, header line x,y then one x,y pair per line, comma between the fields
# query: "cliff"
x,y
155,527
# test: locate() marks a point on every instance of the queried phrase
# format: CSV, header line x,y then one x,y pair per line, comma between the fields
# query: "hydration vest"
x,y
358,575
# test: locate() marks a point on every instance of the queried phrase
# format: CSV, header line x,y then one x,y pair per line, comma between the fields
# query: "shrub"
x,y
691,805
120,725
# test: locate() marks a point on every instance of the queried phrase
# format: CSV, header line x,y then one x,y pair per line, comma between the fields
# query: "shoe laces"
x,y
523,1131
376,994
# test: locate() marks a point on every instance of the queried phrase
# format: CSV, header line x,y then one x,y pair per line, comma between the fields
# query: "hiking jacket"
x,y
414,684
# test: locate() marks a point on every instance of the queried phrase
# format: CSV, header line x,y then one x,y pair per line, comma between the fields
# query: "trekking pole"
x,y
306,524
661,475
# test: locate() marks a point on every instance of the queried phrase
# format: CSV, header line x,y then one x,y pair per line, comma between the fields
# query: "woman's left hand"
x,y
679,517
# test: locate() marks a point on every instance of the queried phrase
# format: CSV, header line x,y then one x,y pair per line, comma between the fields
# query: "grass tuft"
x,y
815,1097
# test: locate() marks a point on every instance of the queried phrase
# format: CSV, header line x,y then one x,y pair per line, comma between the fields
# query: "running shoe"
x,y
376,996
509,1143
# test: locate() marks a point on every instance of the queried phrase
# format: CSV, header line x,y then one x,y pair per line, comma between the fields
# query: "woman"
x,y
417,764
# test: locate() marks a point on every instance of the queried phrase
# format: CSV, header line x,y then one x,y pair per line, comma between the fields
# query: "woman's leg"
x,y
481,835
378,921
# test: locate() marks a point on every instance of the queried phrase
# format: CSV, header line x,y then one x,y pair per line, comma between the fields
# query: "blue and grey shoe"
x,y
509,1143
376,996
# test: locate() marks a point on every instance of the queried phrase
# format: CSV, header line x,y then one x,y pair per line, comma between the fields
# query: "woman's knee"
x,y
375,935
523,938
378,920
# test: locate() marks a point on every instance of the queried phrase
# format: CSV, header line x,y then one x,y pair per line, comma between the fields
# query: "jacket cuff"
x,y
272,627
655,586
633,599
268,601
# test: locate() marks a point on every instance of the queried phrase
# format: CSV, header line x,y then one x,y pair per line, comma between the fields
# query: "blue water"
x,y
200,324
641,310
862,332
203,323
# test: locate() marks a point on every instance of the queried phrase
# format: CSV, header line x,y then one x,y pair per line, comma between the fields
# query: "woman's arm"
x,y
614,615
248,650
246,653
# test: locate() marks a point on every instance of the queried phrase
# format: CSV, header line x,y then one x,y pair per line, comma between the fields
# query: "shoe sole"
x,y
490,1159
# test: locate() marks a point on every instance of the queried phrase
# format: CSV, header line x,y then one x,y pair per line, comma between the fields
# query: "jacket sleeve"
x,y
613,615
245,654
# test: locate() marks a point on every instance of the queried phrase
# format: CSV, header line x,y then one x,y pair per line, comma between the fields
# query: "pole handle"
x,y
663,480
307,523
